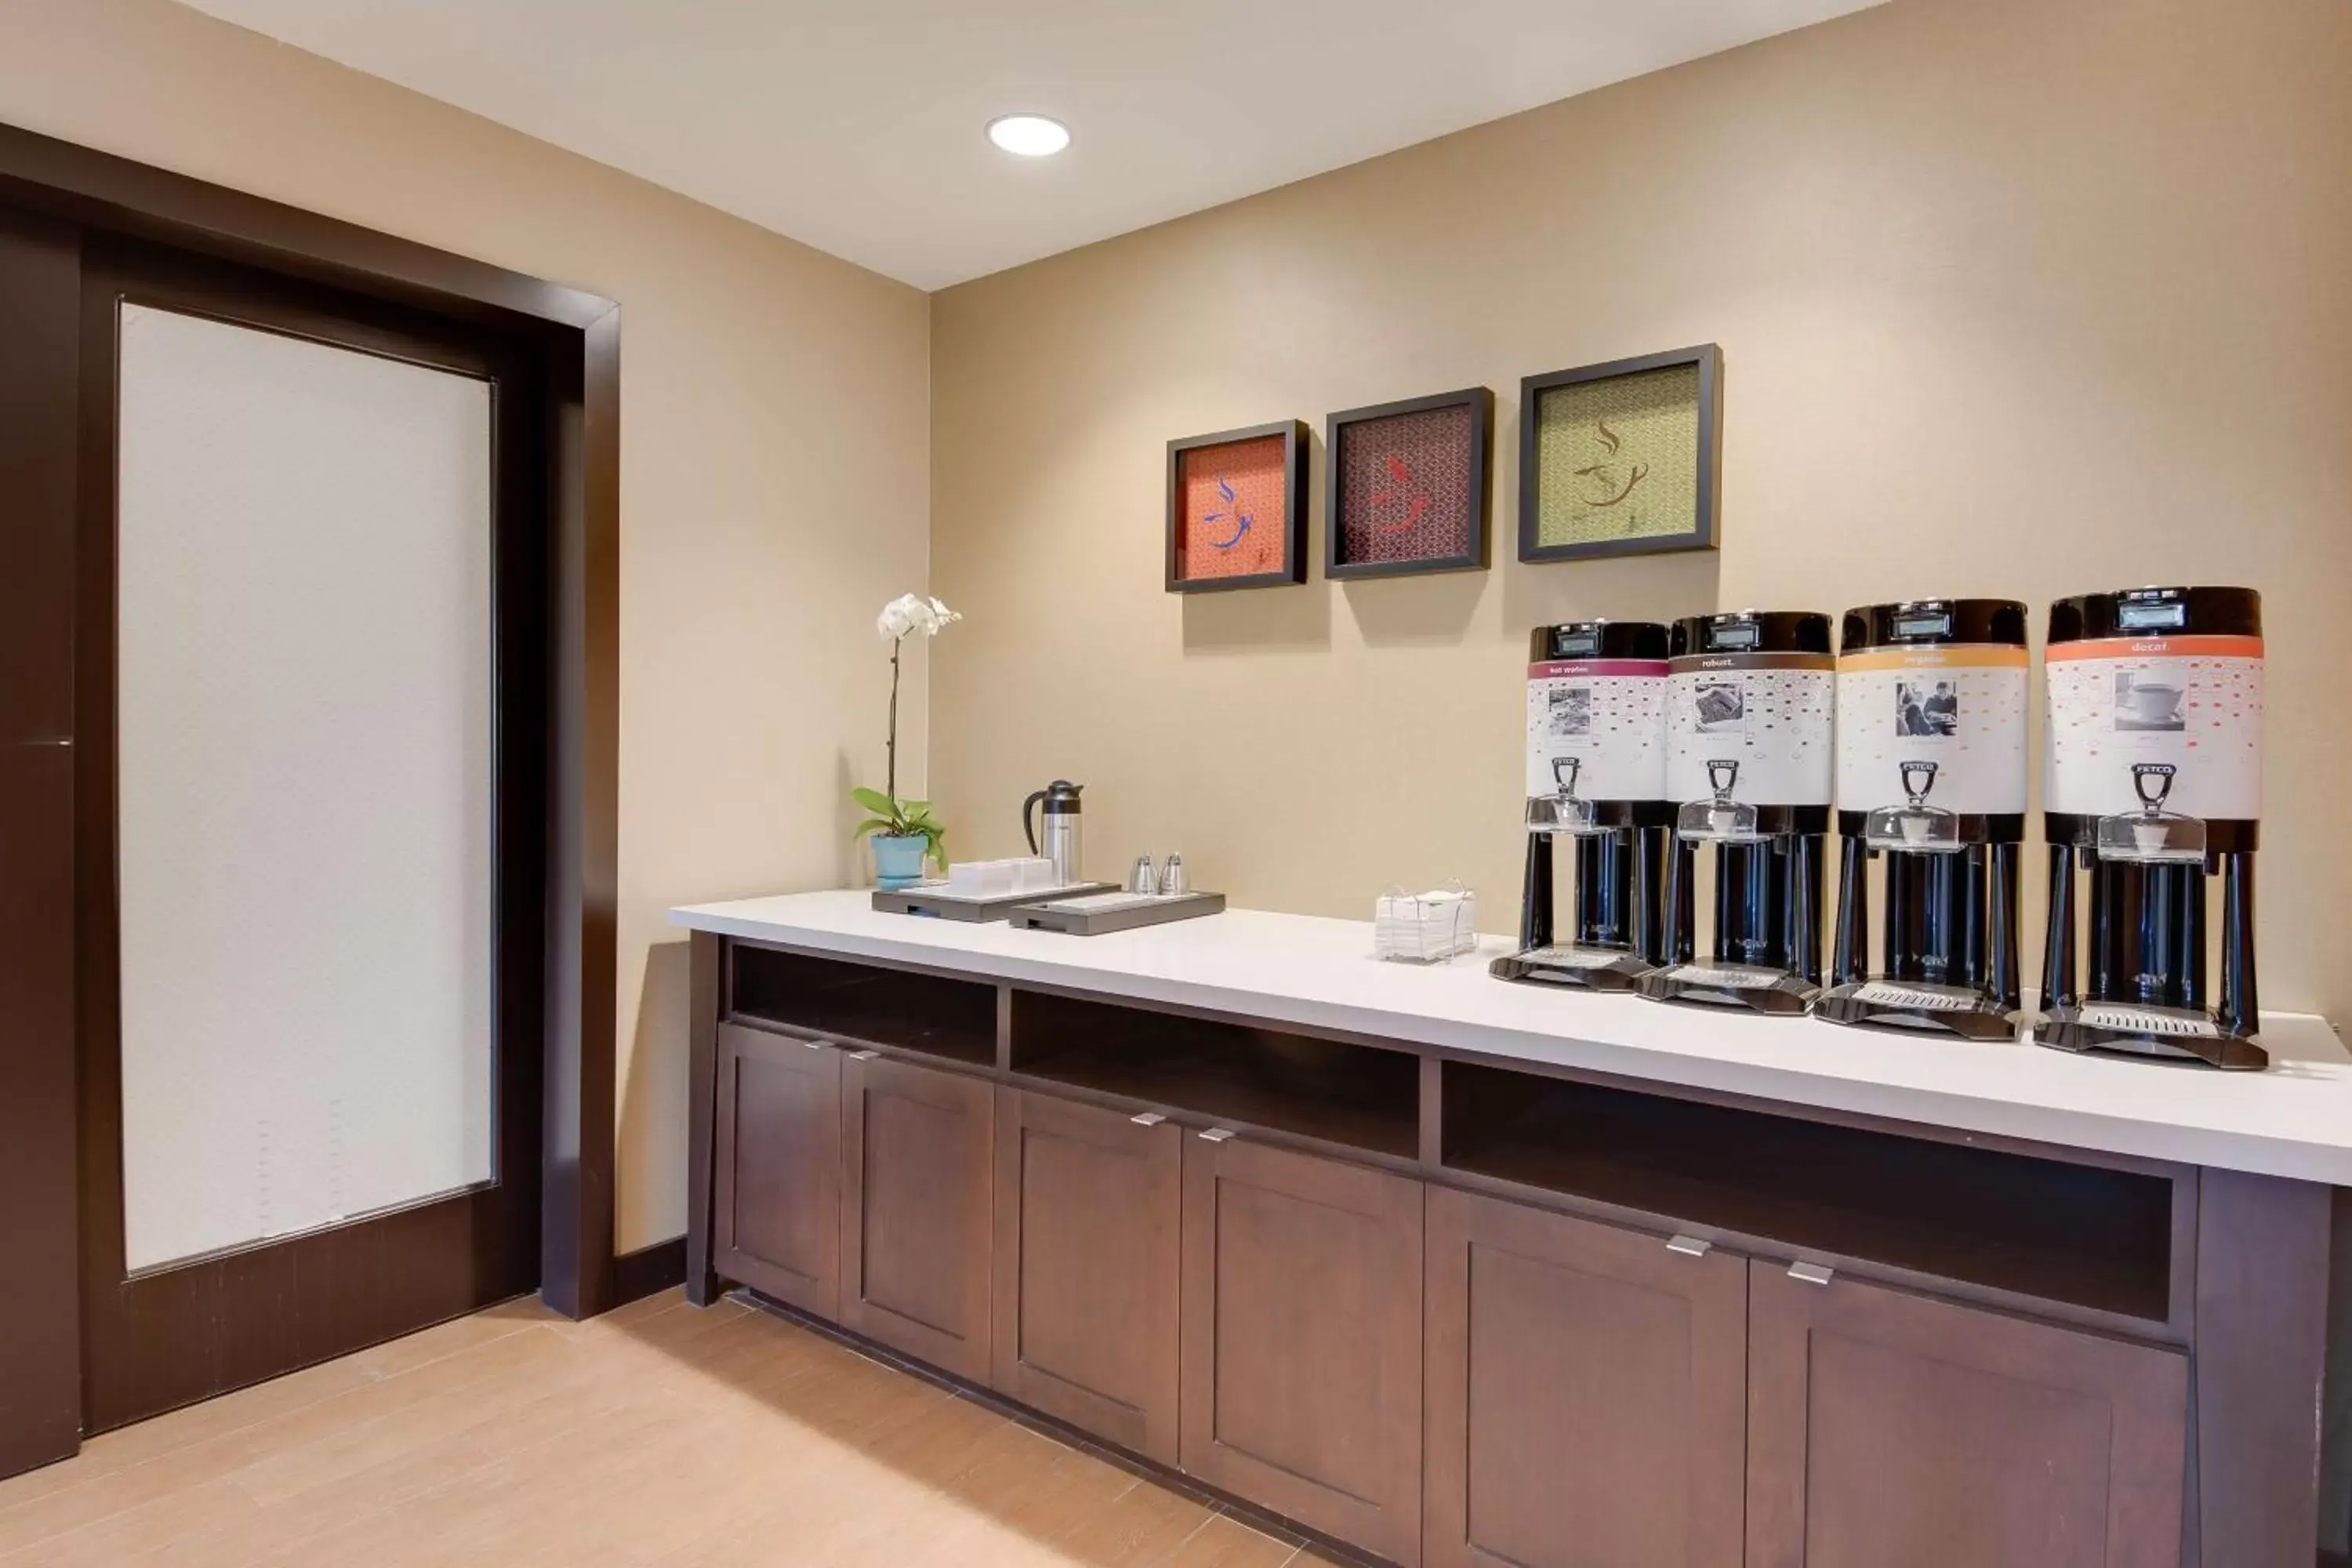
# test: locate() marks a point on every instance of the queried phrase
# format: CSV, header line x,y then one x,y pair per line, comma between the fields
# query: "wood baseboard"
x,y
648,1271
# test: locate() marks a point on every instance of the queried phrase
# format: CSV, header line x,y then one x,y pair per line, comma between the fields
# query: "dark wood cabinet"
x,y
1302,1354
1885,1427
777,1209
1587,1394
1089,1226
917,1160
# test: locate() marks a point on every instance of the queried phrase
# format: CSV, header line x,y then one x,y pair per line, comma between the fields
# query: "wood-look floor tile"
x,y
663,1436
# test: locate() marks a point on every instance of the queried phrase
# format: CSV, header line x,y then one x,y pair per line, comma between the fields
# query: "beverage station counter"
x,y
2294,1120
1349,1242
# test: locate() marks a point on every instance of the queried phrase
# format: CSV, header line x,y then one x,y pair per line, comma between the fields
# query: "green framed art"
x,y
1622,458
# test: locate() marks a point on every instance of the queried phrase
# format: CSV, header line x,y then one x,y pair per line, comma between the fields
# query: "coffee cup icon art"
x,y
2149,704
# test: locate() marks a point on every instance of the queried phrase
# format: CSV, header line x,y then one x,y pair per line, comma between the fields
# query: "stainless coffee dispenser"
x,y
1749,696
1931,762
2153,786
1597,780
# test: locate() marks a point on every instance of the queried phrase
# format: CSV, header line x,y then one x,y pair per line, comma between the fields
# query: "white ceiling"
x,y
855,125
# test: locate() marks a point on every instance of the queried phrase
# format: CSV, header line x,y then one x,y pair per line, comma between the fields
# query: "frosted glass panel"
x,y
305,785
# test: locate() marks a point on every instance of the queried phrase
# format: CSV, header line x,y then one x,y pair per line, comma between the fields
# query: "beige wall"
x,y
2015,296
774,417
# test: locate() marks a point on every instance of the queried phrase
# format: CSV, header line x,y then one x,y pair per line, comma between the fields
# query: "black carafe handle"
x,y
1029,819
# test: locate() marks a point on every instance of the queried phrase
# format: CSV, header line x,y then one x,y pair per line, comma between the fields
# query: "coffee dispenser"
x,y
1931,749
1596,779
1749,696
2153,786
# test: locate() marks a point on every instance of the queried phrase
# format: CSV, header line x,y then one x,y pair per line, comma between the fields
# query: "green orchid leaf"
x,y
874,800
873,825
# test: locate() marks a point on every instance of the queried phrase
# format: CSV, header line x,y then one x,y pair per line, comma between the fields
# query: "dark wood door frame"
x,y
50,193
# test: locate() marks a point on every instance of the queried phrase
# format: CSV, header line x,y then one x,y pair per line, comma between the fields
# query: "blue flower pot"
x,y
898,860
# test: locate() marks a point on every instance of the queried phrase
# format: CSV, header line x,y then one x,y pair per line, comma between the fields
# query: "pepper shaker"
x,y
1140,879
1171,878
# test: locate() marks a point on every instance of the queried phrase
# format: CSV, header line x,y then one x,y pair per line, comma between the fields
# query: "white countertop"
x,y
2294,1120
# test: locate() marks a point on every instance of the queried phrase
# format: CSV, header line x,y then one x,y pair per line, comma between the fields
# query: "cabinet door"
x,y
1587,1393
916,1161
1088,1221
778,1221
1302,1339
1885,1427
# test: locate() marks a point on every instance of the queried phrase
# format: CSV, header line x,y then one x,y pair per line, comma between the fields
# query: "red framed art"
x,y
1237,509
1407,490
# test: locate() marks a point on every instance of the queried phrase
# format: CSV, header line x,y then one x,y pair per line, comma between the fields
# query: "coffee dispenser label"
x,y
1608,716
2195,702
1961,706
1769,712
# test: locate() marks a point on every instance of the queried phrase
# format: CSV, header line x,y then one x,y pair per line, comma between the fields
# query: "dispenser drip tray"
x,y
1586,968
1920,1005
1749,985
2167,1034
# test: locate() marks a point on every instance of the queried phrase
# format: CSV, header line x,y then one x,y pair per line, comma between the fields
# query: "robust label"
x,y
1608,716
1769,712
1958,706
2192,702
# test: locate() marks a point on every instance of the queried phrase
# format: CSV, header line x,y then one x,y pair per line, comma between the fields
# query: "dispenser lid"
x,y
1917,623
1571,640
1752,631
2157,612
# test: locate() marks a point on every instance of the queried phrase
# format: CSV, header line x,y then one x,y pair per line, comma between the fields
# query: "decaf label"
x,y
2195,702
1769,712
1961,706
1606,715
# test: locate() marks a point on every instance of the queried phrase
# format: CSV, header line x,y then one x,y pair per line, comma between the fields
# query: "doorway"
x,y
308,735
309,710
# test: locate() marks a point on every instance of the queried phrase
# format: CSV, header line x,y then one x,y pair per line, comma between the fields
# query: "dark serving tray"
x,y
1093,914
933,902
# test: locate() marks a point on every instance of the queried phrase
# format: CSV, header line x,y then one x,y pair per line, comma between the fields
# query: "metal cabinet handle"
x,y
1690,1246
1216,1134
1811,1273
1147,1119
817,1045
862,1055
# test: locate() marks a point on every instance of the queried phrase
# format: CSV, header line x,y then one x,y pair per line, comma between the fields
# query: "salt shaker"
x,y
1171,878
1140,879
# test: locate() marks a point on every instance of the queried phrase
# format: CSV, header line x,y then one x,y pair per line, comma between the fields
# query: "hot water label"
x,y
1961,706
2194,702
1769,712
1607,716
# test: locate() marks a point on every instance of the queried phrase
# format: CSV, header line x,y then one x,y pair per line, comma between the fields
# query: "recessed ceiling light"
x,y
1030,135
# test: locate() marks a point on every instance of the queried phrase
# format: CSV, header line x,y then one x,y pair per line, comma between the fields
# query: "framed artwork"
x,y
1237,509
1407,489
1622,458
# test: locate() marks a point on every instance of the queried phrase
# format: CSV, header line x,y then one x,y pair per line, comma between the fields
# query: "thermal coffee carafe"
x,y
1749,696
1059,844
1931,759
1596,778
2153,784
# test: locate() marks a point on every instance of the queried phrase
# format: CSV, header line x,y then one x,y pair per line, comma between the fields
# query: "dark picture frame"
x,y
1292,568
1703,530
1478,464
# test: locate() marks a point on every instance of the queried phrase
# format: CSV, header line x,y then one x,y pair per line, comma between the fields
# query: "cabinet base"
x,y
1278,1526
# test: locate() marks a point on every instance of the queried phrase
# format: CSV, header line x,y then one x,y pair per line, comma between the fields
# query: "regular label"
x,y
1768,713
2193,702
1960,707
1607,716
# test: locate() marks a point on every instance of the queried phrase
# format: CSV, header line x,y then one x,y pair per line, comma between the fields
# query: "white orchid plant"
x,y
908,614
